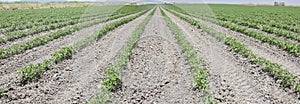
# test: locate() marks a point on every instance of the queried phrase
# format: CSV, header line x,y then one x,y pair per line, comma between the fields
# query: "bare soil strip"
x,y
75,80
157,71
269,52
232,78
43,52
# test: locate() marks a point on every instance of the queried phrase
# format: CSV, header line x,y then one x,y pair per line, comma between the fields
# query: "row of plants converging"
x,y
46,21
33,71
114,71
20,19
290,47
41,40
277,18
200,73
275,70
38,29
266,28
233,18
284,18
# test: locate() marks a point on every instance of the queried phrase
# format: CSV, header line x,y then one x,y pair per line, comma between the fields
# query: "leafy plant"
x,y
32,72
2,91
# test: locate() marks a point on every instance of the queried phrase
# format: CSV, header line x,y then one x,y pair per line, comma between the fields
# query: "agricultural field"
x,y
155,53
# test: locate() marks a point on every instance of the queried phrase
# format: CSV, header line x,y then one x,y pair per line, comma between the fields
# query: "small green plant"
x,y
209,99
113,80
2,91
32,72
102,97
297,87
62,54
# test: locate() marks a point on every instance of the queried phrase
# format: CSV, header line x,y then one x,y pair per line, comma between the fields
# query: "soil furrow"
x,y
43,52
269,52
232,78
75,80
157,71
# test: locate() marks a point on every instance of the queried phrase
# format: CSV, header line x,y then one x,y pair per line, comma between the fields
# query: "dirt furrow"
x,y
269,52
232,78
75,80
157,71
43,52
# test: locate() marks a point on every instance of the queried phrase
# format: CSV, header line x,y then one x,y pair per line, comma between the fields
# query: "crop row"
x,y
200,73
41,40
23,19
18,34
282,18
47,21
290,47
18,18
266,28
276,71
114,71
33,71
269,29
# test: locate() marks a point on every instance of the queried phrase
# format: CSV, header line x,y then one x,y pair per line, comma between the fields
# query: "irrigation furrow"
x,y
43,52
75,80
157,71
264,50
232,78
